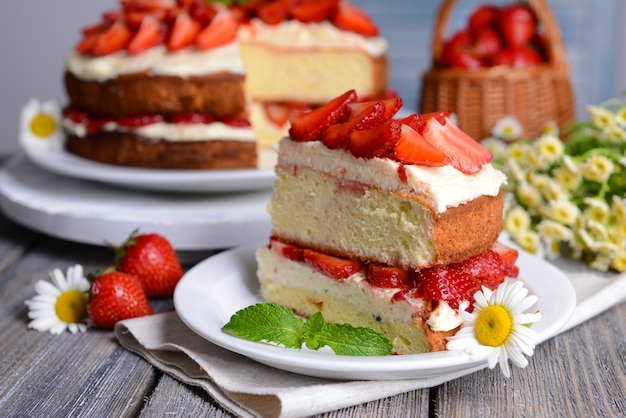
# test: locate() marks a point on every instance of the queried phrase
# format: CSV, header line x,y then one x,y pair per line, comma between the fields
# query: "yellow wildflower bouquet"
x,y
566,196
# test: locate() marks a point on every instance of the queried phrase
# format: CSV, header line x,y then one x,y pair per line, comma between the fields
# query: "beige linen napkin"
x,y
250,389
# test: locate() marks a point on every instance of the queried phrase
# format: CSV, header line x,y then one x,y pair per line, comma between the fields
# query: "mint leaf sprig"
x,y
275,324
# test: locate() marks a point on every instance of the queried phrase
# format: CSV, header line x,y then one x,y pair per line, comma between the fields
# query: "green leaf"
x,y
273,323
346,340
267,322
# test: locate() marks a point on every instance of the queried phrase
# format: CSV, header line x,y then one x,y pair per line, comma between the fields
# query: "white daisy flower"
x,y
620,117
508,128
40,124
60,304
498,327
597,168
550,147
550,128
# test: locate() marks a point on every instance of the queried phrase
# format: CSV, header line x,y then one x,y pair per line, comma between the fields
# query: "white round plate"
x,y
93,213
212,291
58,160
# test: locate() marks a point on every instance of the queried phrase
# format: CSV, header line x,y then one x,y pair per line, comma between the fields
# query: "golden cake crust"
x,y
219,94
128,149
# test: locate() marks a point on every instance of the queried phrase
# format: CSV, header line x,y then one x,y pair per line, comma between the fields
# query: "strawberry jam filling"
x,y
452,283
95,125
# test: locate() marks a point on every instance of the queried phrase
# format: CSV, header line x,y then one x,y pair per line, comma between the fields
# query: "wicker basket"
x,y
480,97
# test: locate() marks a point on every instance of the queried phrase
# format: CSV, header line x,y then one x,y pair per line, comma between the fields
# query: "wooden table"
x,y
581,373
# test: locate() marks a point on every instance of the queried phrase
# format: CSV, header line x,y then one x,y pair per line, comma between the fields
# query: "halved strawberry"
x,y
412,148
148,35
202,12
183,32
465,154
487,267
307,11
349,17
290,251
333,267
309,126
448,284
417,121
278,113
375,142
221,31
193,118
113,39
388,277
509,257
392,105
336,136
273,13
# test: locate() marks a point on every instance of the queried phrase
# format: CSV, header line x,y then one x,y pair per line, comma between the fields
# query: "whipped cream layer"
x,y
443,187
293,34
157,61
175,132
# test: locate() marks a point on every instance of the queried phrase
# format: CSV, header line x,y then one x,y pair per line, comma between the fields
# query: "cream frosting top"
x,y
295,34
444,187
157,60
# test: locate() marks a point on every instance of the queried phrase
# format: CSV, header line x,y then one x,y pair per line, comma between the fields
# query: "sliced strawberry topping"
x,y
392,105
465,153
333,267
221,31
508,256
375,142
148,35
412,148
307,11
289,251
278,113
201,11
336,136
275,12
387,277
349,17
183,33
114,39
309,126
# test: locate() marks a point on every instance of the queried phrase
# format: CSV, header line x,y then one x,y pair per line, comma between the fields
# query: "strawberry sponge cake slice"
x,y
383,222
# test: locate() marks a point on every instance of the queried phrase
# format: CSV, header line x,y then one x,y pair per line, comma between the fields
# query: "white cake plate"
x,y
93,212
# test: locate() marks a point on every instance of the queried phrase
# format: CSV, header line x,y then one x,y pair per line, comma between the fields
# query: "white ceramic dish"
x,y
58,160
212,291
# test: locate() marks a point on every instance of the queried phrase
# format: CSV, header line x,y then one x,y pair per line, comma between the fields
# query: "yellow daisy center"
x,y
42,125
71,306
493,326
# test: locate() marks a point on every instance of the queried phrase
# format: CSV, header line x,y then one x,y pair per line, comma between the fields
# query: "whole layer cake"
x,y
170,84
383,222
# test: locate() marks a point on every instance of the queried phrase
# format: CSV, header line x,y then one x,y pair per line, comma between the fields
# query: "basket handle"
x,y
552,32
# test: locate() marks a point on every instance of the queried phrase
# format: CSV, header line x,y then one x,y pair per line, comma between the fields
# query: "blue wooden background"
x,y
35,36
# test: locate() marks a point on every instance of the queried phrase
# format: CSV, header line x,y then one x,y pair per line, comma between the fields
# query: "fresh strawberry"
x,y
115,296
221,31
387,277
183,33
278,113
309,126
517,24
508,256
333,267
274,12
375,142
461,39
114,39
483,16
308,11
487,42
487,267
418,121
336,136
444,283
201,11
236,122
392,105
517,57
290,251
412,148
152,259
465,153
193,118
138,121
464,58
351,18
148,35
